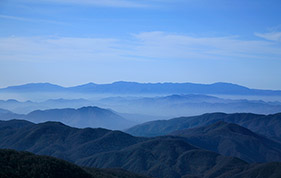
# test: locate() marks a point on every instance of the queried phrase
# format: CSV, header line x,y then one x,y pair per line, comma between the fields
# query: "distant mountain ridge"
x,y
159,107
169,106
4,111
177,105
90,116
34,87
144,88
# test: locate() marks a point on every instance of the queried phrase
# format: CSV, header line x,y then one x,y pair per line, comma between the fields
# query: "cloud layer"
x,y
145,46
272,36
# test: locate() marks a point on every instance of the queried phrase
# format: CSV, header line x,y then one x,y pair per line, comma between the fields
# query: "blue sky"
x,y
70,42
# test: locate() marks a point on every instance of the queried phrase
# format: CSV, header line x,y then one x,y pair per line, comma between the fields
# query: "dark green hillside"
x,y
266,170
59,140
14,124
268,125
24,164
113,173
16,164
166,157
233,140
160,157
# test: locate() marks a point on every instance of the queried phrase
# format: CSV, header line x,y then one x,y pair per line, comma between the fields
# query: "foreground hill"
x,y
157,157
168,157
14,124
233,140
83,117
163,157
59,140
268,125
24,164
268,170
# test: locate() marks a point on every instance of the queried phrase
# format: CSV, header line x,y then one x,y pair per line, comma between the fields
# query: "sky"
x,y
69,42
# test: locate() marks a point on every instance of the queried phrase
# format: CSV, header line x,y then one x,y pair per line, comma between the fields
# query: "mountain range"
x,y
143,88
267,125
97,142
165,156
233,140
82,117
141,109
62,141
29,106
187,105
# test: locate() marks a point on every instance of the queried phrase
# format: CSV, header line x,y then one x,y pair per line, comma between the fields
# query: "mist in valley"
x,y
135,108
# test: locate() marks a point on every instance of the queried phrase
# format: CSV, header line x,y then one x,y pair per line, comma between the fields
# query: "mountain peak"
x,y
88,84
91,108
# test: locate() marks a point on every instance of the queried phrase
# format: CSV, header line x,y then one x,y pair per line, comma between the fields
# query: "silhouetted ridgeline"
x,y
134,88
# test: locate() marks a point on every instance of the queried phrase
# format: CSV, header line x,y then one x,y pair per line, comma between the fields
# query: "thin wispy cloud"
x,y
147,45
272,36
56,49
166,45
104,3
29,19
111,3
141,40
14,18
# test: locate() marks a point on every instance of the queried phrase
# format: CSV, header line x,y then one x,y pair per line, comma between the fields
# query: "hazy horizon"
x,y
199,92
80,84
104,83
68,43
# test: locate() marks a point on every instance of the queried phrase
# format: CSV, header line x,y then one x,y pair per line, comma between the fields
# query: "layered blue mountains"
x,y
140,130
182,153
